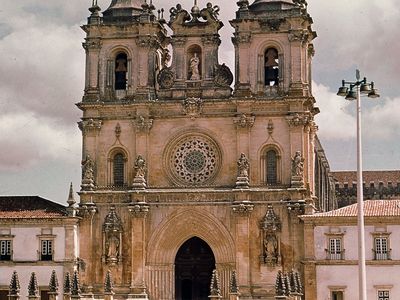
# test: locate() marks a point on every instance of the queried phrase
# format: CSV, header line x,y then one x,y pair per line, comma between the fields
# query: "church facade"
x,y
183,174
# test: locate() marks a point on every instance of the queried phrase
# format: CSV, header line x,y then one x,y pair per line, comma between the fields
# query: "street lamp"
x,y
353,92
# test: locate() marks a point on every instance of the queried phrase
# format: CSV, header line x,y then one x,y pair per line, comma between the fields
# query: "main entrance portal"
x,y
194,264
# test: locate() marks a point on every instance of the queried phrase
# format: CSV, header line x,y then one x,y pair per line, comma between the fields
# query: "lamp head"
x,y
342,91
374,92
351,95
365,88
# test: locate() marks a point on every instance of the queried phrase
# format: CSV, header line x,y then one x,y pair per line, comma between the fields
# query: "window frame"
x,y
338,236
337,289
46,235
383,297
110,168
381,255
3,257
264,165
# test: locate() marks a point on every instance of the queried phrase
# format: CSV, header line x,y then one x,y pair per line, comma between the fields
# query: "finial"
x,y
214,288
33,289
71,200
108,285
67,283
233,287
75,289
53,284
14,284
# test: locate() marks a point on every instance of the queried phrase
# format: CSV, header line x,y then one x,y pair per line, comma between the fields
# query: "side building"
x,y
376,185
331,252
36,235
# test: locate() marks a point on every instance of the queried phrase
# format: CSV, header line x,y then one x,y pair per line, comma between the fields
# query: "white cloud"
x,y
334,121
27,140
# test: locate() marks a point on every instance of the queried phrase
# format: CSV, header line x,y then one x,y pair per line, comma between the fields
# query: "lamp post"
x,y
357,88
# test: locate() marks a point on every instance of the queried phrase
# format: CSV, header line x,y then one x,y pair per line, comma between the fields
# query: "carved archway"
x,y
171,234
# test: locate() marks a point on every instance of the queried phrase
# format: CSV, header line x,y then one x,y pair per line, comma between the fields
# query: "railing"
x,y
382,255
337,255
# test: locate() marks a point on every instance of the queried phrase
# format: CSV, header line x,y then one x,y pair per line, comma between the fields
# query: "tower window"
x,y
271,67
118,169
121,71
272,167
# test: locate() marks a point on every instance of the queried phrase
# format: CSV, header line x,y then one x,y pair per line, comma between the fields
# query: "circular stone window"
x,y
194,160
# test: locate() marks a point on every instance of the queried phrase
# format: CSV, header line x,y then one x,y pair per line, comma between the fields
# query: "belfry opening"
x,y
194,264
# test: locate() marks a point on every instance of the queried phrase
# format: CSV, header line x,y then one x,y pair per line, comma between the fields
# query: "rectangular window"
x,y
337,295
335,248
46,251
5,249
383,295
381,248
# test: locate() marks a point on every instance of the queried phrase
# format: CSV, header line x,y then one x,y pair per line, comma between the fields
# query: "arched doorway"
x,y
194,264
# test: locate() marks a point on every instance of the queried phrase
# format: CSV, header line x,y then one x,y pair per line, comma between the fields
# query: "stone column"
x,y
92,47
138,212
242,209
310,272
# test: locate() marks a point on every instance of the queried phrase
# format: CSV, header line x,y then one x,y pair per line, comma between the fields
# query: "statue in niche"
x,y
270,248
194,67
140,167
88,168
243,166
297,164
112,246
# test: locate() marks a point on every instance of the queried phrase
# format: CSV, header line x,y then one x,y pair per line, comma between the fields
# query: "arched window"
x,y
271,67
118,169
121,71
272,167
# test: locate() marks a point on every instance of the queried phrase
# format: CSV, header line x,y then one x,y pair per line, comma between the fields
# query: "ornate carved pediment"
x,y
207,15
148,42
242,38
244,121
166,78
90,125
223,76
192,107
299,119
143,123
271,24
243,208
139,209
92,44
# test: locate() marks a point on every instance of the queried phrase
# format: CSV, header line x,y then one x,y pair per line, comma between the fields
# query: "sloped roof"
x,y
29,207
368,176
372,208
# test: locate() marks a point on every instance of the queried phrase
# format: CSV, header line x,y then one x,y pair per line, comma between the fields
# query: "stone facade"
x,y
175,161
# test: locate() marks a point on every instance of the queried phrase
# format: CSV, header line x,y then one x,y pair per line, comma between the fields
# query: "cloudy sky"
x,y
42,75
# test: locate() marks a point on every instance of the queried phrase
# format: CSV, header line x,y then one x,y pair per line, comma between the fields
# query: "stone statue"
x,y
194,67
297,164
140,167
270,248
243,166
88,168
112,245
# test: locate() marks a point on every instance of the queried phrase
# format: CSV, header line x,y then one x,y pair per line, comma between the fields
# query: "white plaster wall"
x,y
347,276
43,274
350,240
26,243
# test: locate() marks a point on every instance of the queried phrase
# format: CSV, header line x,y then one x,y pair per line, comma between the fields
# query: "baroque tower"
x,y
181,174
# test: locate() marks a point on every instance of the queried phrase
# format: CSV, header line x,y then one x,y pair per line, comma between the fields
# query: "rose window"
x,y
194,160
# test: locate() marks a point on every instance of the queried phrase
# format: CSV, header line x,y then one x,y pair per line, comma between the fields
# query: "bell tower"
x,y
123,51
273,48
